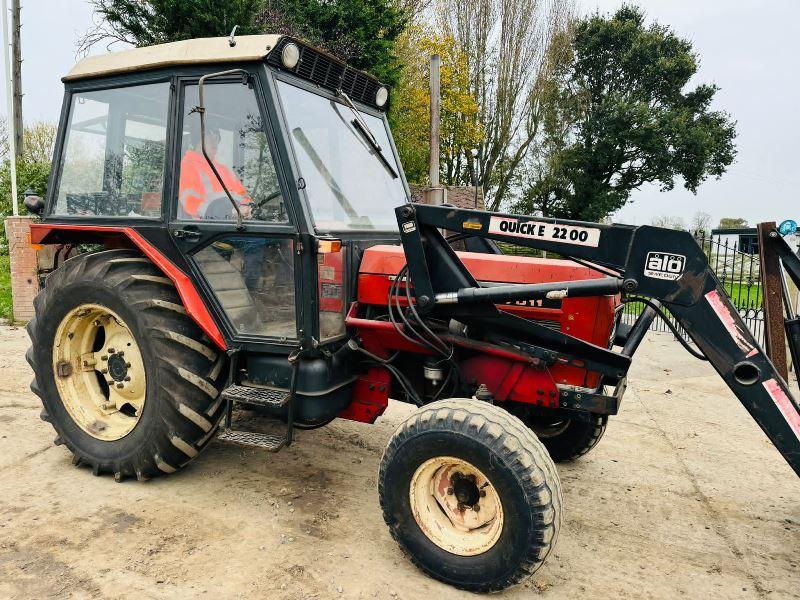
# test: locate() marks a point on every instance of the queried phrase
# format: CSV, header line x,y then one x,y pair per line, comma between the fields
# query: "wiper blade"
x,y
359,124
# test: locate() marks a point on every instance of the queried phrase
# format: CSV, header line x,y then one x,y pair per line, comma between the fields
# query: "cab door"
x,y
248,273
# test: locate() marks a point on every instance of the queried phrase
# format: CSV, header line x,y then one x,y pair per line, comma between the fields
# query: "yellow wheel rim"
x,y
456,506
99,372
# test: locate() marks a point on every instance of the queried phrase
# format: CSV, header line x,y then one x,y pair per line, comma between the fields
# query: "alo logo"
x,y
664,265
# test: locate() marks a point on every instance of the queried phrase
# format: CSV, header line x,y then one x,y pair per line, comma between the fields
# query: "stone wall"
x,y
460,196
24,280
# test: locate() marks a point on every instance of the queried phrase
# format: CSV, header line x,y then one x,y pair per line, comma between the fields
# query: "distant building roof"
x,y
186,52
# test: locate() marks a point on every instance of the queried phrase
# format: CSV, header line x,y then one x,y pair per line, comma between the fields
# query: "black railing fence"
x,y
738,271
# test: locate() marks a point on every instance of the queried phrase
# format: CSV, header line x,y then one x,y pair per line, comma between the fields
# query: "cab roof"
x,y
185,52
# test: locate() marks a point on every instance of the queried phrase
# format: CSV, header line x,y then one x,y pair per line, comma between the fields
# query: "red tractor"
x,y
237,233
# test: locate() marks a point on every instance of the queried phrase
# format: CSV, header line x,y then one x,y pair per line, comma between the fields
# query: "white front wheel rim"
x,y
456,506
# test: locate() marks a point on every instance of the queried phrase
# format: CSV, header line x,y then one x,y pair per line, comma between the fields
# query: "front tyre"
x,y
567,434
470,494
128,381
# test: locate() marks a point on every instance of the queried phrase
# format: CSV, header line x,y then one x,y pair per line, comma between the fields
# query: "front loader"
x,y
241,241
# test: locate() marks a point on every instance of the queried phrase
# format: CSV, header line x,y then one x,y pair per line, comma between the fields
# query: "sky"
x,y
749,48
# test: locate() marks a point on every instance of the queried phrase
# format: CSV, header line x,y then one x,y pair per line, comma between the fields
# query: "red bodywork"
x,y
508,375
44,233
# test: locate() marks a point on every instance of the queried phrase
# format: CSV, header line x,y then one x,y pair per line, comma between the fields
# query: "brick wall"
x,y
24,282
460,196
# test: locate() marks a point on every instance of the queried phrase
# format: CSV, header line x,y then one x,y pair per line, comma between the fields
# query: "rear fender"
x,y
114,236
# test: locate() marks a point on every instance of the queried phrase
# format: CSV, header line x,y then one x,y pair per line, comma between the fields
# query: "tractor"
x,y
229,231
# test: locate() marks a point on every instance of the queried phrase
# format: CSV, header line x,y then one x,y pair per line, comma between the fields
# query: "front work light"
x,y
381,96
290,55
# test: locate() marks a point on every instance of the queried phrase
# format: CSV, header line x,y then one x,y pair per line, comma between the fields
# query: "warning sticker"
x,y
551,232
784,405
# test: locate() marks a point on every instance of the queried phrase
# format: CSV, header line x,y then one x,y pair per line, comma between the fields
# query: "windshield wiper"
x,y
365,132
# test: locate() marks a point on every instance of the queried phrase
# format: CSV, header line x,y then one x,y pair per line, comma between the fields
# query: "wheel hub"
x,y
99,372
465,489
456,506
117,367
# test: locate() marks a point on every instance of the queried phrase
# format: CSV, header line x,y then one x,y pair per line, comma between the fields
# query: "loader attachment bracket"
x,y
664,265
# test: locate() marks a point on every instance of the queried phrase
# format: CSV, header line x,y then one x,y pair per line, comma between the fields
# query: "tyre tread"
x,y
517,446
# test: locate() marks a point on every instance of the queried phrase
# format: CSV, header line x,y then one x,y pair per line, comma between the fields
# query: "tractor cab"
x,y
260,167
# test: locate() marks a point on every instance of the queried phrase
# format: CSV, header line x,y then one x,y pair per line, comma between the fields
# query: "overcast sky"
x,y
749,48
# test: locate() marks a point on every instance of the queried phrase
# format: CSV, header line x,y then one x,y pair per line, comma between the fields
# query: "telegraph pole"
x,y
12,137
435,194
16,74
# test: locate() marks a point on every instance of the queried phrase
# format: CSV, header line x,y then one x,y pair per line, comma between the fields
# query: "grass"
x,y
5,288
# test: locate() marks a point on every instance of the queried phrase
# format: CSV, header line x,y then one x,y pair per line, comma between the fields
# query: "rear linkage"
x,y
664,267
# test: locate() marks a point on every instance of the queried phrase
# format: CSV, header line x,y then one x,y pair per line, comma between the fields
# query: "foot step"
x,y
252,439
261,396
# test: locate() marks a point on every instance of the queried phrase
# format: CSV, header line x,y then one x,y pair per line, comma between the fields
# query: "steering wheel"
x,y
260,206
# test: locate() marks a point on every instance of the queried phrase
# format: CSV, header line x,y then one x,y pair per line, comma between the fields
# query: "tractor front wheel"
x,y
470,494
567,434
128,381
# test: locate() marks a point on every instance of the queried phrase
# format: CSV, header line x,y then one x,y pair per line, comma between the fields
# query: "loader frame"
x,y
663,267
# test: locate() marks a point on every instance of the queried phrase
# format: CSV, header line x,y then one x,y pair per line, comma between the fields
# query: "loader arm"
x,y
664,265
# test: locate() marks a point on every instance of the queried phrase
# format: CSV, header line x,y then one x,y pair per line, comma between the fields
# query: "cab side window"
x,y
112,162
237,146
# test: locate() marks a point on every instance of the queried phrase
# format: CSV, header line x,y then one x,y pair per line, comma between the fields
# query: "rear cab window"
x,y
113,157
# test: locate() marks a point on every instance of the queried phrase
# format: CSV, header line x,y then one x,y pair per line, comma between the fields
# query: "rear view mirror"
x,y
33,202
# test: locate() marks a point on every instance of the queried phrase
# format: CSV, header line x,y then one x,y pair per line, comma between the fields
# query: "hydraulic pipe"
x,y
535,291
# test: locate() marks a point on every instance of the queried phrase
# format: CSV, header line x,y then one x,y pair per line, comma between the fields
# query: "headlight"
x,y
290,55
381,96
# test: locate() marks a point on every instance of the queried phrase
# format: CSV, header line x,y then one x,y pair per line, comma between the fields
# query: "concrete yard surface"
x,y
683,497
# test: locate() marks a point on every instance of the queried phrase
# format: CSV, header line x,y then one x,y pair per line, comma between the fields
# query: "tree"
x,y
628,119
701,222
506,44
5,145
33,170
460,130
148,22
363,33
732,223
669,222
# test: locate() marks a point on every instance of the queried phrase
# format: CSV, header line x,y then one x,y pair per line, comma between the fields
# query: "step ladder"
x,y
258,396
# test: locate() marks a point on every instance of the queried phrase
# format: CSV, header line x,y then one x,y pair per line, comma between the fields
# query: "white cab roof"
x,y
186,52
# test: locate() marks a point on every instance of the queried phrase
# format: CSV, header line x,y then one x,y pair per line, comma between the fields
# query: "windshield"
x,y
347,185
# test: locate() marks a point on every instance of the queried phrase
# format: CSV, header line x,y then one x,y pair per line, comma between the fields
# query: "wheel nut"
x,y
127,365
111,351
127,378
104,371
476,507
471,478
483,493
103,358
121,353
120,385
449,491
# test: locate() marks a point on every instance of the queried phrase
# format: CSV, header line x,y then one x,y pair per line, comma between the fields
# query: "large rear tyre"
x,y
470,494
567,434
128,381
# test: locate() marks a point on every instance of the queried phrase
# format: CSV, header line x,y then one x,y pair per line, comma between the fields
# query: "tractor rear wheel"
x,y
128,381
567,435
470,494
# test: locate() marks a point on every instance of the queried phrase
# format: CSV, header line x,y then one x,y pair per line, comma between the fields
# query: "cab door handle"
x,y
186,234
